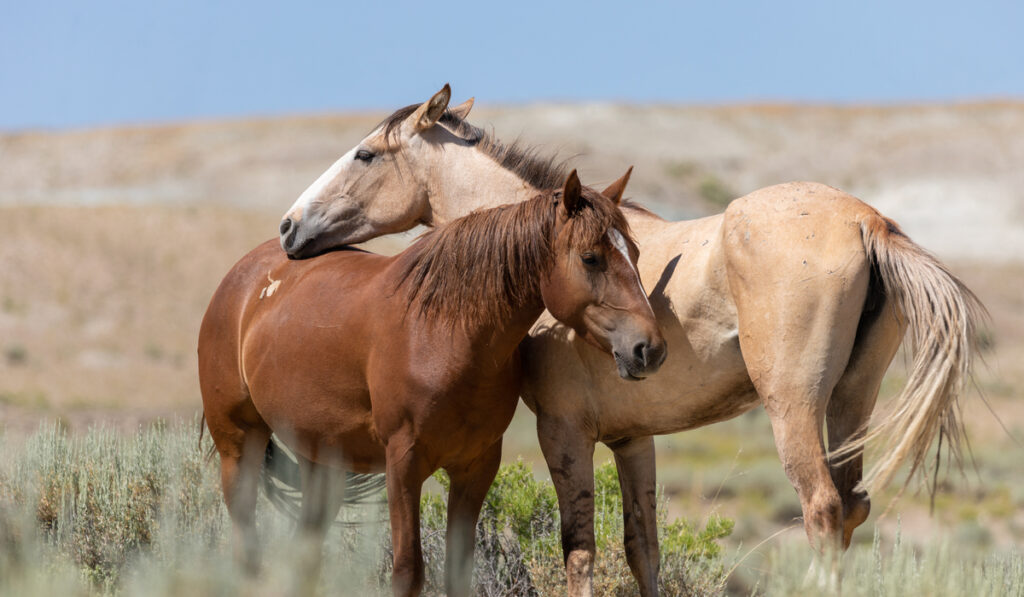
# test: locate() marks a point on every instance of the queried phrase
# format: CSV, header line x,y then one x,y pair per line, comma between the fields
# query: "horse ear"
x,y
462,110
428,114
571,200
615,190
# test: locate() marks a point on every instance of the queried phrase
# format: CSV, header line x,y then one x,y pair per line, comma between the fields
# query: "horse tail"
x,y
282,482
199,442
941,316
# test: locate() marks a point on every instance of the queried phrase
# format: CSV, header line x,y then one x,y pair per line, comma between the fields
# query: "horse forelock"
x,y
481,268
596,217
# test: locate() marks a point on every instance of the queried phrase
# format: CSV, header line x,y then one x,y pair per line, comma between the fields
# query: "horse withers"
x,y
408,364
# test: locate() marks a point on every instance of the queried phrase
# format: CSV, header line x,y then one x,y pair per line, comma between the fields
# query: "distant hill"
x,y
952,175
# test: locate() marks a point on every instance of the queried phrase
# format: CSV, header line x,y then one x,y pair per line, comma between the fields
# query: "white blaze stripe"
x,y
620,243
320,184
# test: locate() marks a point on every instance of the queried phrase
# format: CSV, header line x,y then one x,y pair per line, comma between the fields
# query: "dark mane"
x,y
481,268
542,173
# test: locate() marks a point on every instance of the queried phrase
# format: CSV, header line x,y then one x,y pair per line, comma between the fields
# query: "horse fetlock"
x,y
407,578
246,551
579,571
823,521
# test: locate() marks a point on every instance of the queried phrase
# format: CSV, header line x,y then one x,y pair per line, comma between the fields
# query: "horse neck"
x,y
485,284
493,343
466,179
501,341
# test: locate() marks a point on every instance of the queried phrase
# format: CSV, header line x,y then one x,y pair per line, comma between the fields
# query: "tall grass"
x,y
141,514
940,568
106,513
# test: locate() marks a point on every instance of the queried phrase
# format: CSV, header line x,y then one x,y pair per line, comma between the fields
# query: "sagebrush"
x,y
106,512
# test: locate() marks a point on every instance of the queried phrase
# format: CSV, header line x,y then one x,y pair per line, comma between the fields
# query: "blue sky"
x,y
69,63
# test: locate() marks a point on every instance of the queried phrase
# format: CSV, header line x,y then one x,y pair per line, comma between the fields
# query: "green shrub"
x,y
715,192
521,507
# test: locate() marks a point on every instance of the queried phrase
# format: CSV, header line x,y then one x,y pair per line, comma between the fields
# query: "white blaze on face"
x,y
619,242
318,186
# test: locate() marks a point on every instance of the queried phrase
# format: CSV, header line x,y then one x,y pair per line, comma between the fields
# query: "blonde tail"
x,y
941,316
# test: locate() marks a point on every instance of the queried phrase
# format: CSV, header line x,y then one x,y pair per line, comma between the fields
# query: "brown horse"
x,y
797,298
410,363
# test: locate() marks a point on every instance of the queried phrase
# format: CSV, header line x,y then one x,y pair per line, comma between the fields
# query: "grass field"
x,y
109,512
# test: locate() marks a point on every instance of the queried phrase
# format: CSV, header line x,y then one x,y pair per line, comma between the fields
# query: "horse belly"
x,y
308,383
704,378
687,393
328,431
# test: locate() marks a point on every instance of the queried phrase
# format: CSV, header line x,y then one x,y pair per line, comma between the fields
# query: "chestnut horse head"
x,y
424,164
593,285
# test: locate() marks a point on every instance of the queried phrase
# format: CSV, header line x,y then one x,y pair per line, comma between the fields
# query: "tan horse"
x,y
797,298
410,363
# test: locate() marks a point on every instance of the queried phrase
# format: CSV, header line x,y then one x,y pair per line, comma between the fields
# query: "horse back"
x,y
803,236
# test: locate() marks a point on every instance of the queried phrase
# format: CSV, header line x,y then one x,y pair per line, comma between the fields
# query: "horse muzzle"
x,y
296,241
641,359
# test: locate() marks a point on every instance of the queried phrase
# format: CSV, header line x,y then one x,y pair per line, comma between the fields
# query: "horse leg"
x,y
850,409
322,496
797,428
795,363
634,459
469,487
242,446
406,473
799,298
570,458
795,396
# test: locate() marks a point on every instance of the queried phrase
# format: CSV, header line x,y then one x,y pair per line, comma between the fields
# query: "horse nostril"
x,y
286,225
288,241
655,355
639,353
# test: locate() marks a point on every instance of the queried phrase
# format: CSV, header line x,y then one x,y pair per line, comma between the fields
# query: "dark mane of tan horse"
x,y
480,268
539,171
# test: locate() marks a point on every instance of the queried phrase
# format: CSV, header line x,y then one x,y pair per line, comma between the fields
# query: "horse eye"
x,y
589,259
363,155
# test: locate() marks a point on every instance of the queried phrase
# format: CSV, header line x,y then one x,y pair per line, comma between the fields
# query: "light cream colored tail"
x,y
941,315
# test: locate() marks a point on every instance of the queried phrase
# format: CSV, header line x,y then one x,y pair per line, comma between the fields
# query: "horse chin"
x,y
305,248
318,244
316,238
626,372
